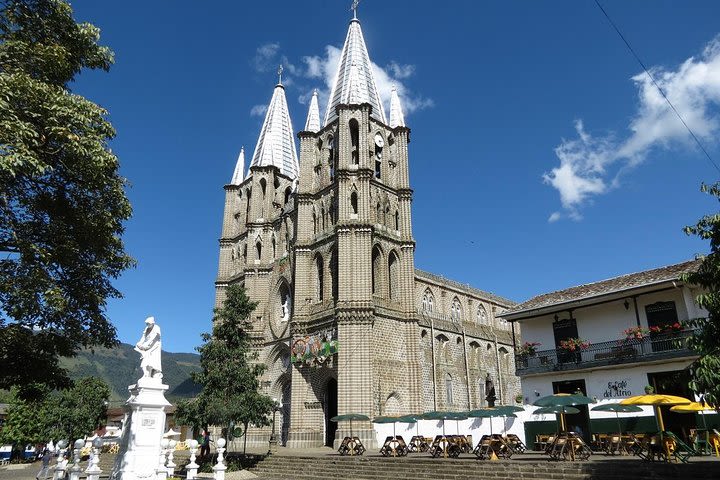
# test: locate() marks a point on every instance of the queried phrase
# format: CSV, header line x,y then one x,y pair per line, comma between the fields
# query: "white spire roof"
x,y
397,118
276,144
313,119
237,177
354,80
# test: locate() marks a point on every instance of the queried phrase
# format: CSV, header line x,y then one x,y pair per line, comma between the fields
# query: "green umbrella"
x,y
490,412
563,400
387,419
349,417
442,416
412,418
557,411
617,408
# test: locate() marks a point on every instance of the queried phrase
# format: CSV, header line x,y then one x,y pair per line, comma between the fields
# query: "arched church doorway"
x,y
331,410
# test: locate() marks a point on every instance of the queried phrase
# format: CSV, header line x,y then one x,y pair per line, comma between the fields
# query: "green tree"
x,y
62,201
70,414
705,371
229,376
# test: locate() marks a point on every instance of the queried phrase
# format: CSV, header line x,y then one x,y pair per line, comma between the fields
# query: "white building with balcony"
x,y
629,333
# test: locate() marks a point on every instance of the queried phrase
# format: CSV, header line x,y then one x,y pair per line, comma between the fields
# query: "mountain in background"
x,y
120,367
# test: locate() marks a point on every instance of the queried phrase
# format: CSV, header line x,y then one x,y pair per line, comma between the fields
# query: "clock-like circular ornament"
x,y
379,140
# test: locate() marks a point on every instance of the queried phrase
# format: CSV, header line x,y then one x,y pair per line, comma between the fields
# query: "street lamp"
x,y
273,438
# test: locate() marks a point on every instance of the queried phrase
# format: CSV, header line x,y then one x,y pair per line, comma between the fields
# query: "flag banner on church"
x,y
314,349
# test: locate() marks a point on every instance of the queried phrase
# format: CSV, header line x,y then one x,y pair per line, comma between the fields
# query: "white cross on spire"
x,y
354,8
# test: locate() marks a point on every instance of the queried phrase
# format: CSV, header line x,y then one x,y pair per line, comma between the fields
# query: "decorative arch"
x,y
393,275
319,277
377,268
393,404
263,187
354,140
354,203
456,310
482,317
428,301
334,285
283,301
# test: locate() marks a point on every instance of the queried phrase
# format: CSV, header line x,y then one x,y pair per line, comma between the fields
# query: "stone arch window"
x,y
475,356
258,249
331,156
276,183
397,220
378,213
354,203
285,307
354,140
334,273
443,348
393,275
315,222
482,315
449,389
377,267
423,334
322,217
244,253
232,255
319,278
263,187
456,310
274,248
428,301
288,192
248,194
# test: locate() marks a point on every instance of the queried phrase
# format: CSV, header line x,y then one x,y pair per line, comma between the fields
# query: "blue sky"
x,y
537,161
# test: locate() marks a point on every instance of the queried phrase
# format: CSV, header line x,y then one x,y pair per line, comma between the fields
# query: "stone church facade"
x,y
345,322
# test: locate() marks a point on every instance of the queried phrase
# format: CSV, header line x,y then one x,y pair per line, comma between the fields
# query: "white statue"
x,y
150,347
286,309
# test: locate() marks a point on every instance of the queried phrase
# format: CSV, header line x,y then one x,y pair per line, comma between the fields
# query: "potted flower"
x,y
518,398
649,389
574,344
529,348
635,333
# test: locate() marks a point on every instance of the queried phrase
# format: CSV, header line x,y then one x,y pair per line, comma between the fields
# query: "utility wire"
x,y
627,44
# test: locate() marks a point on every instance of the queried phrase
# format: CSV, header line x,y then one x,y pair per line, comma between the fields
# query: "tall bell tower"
x,y
354,258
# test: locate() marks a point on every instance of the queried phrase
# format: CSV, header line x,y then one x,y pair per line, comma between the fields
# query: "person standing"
x,y
45,470
205,446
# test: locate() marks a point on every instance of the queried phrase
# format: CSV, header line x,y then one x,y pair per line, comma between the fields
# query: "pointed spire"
x,y
276,143
312,124
397,118
354,80
238,177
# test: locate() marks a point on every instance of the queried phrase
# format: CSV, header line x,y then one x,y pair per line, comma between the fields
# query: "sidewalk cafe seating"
x,y
490,444
419,443
446,446
515,443
394,447
351,446
568,446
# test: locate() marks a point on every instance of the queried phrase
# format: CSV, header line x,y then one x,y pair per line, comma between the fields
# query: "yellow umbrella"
x,y
656,400
696,407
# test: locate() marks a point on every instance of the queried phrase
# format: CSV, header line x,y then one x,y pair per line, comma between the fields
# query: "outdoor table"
x,y
514,442
569,446
445,445
394,446
351,446
418,443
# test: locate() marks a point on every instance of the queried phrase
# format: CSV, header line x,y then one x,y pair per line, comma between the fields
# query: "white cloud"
x,y
591,166
401,71
265,56
258,110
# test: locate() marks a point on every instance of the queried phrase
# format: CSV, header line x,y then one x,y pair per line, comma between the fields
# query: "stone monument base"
x,y
143,430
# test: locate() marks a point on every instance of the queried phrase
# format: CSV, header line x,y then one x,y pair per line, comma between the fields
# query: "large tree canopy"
x,y
230,376
705,371
62,201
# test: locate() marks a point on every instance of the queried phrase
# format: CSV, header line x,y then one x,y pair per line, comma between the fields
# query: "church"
x,y
323,241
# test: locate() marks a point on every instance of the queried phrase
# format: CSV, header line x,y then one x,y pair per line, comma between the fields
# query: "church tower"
x,y
354,254
323,242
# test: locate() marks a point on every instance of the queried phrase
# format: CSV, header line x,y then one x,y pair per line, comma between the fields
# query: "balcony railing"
x,y
651,347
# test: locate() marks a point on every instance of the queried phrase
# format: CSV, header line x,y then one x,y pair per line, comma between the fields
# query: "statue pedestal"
x,y
142,431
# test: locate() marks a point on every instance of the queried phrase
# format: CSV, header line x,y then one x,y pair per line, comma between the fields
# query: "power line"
x,y
627,44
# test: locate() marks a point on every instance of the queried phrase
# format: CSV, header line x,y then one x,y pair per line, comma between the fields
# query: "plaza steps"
x,y
276,467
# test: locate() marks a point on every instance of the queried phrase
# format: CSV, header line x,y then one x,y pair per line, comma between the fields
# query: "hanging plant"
x,y
574,344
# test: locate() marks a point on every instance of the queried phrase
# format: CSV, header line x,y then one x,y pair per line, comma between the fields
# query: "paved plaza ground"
x,y
29,470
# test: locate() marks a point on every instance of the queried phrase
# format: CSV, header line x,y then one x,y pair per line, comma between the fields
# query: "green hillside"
x,y
120,367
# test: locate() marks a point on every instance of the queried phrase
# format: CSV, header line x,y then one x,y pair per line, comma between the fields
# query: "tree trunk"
x,y
245,441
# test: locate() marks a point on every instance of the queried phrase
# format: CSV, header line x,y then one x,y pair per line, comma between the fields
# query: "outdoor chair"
x,y
549,444
515,443
418,443
484,449
613,445
556,450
